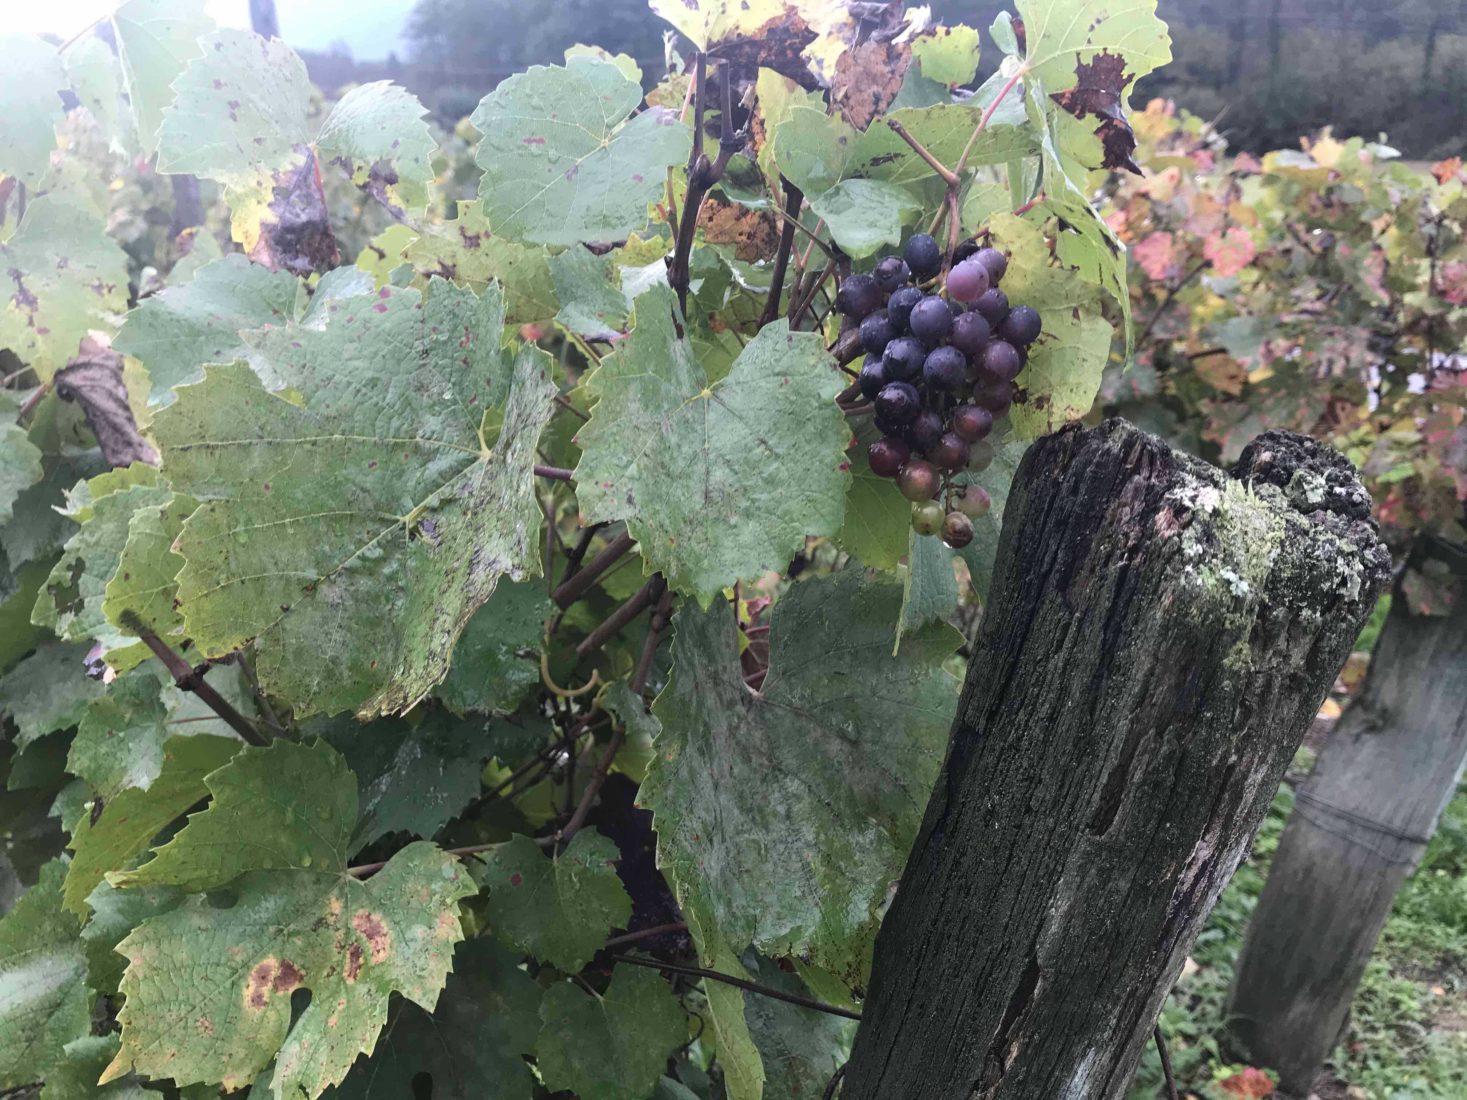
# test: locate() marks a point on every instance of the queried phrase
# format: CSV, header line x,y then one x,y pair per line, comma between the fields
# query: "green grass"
x,y
1407,1038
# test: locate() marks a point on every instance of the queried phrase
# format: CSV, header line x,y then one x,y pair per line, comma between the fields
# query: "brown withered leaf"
x,y
1098,91
298,239
754,234
868,78
778,45
94,381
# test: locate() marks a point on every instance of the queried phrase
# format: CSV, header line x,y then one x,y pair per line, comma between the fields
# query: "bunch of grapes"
x,y
938,370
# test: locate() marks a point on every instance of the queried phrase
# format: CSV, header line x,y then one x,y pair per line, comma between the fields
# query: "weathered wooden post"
x,y
1360,825
1158,637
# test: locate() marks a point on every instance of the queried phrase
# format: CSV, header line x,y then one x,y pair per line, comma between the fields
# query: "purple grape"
x,y
891,273
965,249
974,501
994,395
858,296
887,456
923,256
899,308
1021,327
972,422
967,281
926,429
945,368
951,452
898,402
931,320
970,332
903,359
919,480
1001,361
957,530
873,377
956,307
994,305
876,332
996,262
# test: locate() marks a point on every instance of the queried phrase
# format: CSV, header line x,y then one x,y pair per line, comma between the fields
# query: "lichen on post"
x,y
1158,637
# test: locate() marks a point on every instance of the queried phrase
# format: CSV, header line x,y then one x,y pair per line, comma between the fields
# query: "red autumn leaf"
x,y
1445,170
1251,1084
1230,252
1157,255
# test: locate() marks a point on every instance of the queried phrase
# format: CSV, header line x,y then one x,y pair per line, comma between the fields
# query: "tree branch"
x,y
741,983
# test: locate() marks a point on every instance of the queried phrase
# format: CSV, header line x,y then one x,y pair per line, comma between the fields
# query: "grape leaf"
x,y
71,603
175,332
1065,365
18,636
239,117
68,276
497,660
135,816
156,39
208,989
610,1046
944,130
556,907
20,467
929,589
115,913
48,691
376,131
717,482
801,1048
143,587
74,1077
31,79
948,54
95,76
39,529
411,779
562,163
466,252
878,518
119,741
588,288
44,1001
371,558
1061,36
707,22
487,1017
785,814
864,215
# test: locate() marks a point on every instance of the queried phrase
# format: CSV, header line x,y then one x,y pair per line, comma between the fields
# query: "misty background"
x,y
1268,71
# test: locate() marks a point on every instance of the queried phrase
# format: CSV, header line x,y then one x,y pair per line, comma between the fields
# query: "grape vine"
x,y
454,625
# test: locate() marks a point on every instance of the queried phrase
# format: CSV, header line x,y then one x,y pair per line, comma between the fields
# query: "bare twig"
x,y
187,678
32,401
260,700
948,176
833,1083
703,174
578,552
1171,297
554,473
588,796
560,399
741,983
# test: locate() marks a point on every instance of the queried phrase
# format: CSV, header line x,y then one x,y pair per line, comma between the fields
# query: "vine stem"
x,y
639,602
741,983
949,177
1166,1064
583,580
661,619
32,401
794,198
833,1083
986,118
188,678
588,796
554,473
702,175
646,933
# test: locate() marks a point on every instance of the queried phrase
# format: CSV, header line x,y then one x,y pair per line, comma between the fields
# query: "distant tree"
x,y
480,42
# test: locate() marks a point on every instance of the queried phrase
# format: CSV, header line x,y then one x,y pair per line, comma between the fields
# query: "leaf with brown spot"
x,y
1099,91
297,922
868,78
754,234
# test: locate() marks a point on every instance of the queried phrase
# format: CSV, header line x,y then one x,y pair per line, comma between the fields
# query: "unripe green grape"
x,y
927,517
